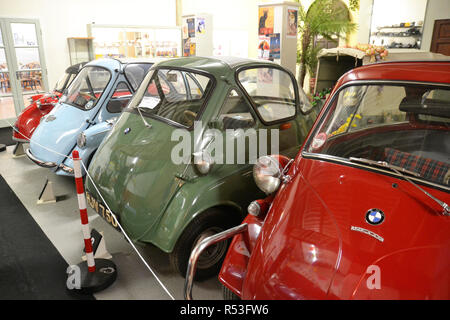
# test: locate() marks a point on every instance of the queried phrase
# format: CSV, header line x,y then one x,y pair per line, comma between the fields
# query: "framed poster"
x,y
292,22
201,26
274,52
263,47
191,27
265,18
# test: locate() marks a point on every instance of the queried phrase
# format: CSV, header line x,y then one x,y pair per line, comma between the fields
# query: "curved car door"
x,y
75,111
137,168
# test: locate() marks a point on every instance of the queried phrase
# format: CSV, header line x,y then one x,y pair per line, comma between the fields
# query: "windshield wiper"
x,y
400,171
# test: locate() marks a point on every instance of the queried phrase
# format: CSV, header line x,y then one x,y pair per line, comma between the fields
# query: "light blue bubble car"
x,y
85,113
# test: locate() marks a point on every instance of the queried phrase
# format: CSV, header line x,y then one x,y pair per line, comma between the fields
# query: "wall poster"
x,y
263,47
292,22
274,52
191,27
266,18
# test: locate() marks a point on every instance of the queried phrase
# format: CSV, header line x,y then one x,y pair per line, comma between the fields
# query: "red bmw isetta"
x,y
42,104
362,211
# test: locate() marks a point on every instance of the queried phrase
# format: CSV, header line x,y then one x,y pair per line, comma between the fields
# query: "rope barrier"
x,y
82,205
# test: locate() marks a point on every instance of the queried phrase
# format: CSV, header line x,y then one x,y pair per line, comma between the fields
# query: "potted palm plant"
x,y
327,18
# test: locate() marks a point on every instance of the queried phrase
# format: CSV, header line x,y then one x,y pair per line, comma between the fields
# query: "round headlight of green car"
x,y
81,140
267,174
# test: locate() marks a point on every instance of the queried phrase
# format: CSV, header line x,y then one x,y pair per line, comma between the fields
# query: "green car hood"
x,y
132,163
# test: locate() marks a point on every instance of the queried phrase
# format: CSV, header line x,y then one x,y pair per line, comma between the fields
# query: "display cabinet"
x,y
80,49
135,41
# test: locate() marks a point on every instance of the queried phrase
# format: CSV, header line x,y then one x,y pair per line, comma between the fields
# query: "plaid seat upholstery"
x,y
429,169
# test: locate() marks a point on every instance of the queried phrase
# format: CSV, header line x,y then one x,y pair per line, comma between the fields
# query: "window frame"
x,y
339,160
103,92
252,103
239,92
113,91
172,123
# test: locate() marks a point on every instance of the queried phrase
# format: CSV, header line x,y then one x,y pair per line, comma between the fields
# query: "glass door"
x,y
22,68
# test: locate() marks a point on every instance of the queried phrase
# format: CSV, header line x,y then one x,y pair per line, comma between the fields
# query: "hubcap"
x,y
211,255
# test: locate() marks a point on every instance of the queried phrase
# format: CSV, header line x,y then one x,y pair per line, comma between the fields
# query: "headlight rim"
x,y
277,176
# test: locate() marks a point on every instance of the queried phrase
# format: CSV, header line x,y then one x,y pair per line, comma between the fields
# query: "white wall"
x,y
436,9
60,19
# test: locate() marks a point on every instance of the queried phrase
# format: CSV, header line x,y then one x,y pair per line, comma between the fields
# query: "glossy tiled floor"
x,y
61,223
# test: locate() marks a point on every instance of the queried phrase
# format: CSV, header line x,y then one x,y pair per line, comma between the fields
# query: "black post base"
x,y
105,274
2,147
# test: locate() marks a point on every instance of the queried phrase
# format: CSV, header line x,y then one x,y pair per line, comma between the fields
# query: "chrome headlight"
x,y
267,174
81,140
254,208
203,161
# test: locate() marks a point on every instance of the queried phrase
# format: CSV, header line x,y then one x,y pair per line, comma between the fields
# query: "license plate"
x,y
101,210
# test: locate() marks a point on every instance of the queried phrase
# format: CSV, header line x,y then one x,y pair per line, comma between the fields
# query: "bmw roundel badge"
x,y
374,216
127,130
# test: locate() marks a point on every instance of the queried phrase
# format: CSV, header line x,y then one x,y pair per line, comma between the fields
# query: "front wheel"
x,y
207,224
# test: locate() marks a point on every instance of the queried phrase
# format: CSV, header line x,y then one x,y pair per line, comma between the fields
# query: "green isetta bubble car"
x,y
177,165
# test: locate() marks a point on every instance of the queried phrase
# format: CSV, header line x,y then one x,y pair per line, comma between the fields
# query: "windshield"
x,y
404,125
64,81
87,88
174,95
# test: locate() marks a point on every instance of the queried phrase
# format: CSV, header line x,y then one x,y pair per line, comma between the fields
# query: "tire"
x,y
228,294
209,263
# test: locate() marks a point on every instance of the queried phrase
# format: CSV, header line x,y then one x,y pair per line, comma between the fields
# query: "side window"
x,y
196,88
120,98
174,80
271,90
235,112
135,73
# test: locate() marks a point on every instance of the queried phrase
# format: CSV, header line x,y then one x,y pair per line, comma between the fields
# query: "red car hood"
x,y
317,244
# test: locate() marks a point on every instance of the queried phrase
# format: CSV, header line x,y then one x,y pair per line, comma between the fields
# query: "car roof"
x,y
214,65
75,68
418,71
112,63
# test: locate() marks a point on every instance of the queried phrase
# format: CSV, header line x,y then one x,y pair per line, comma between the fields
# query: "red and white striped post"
x,y
99,273
83,211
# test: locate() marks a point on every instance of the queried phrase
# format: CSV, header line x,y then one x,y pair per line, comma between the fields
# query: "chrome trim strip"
x,y
198,249
41,163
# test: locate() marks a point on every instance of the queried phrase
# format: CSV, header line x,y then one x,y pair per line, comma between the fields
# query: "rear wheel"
x,y
207,224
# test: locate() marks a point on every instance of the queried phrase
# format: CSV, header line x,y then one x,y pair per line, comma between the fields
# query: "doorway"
x,y
22,66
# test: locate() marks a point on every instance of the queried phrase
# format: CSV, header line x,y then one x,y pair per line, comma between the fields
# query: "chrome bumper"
x,y
47,164
197,251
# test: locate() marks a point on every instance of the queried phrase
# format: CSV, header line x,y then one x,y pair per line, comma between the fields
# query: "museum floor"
x,y
60,222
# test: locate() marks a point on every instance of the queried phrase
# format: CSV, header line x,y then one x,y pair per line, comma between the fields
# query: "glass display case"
x,y
80,49
135,41
397,24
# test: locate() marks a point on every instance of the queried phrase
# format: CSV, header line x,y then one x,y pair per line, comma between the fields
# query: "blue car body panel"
x,y
56,136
